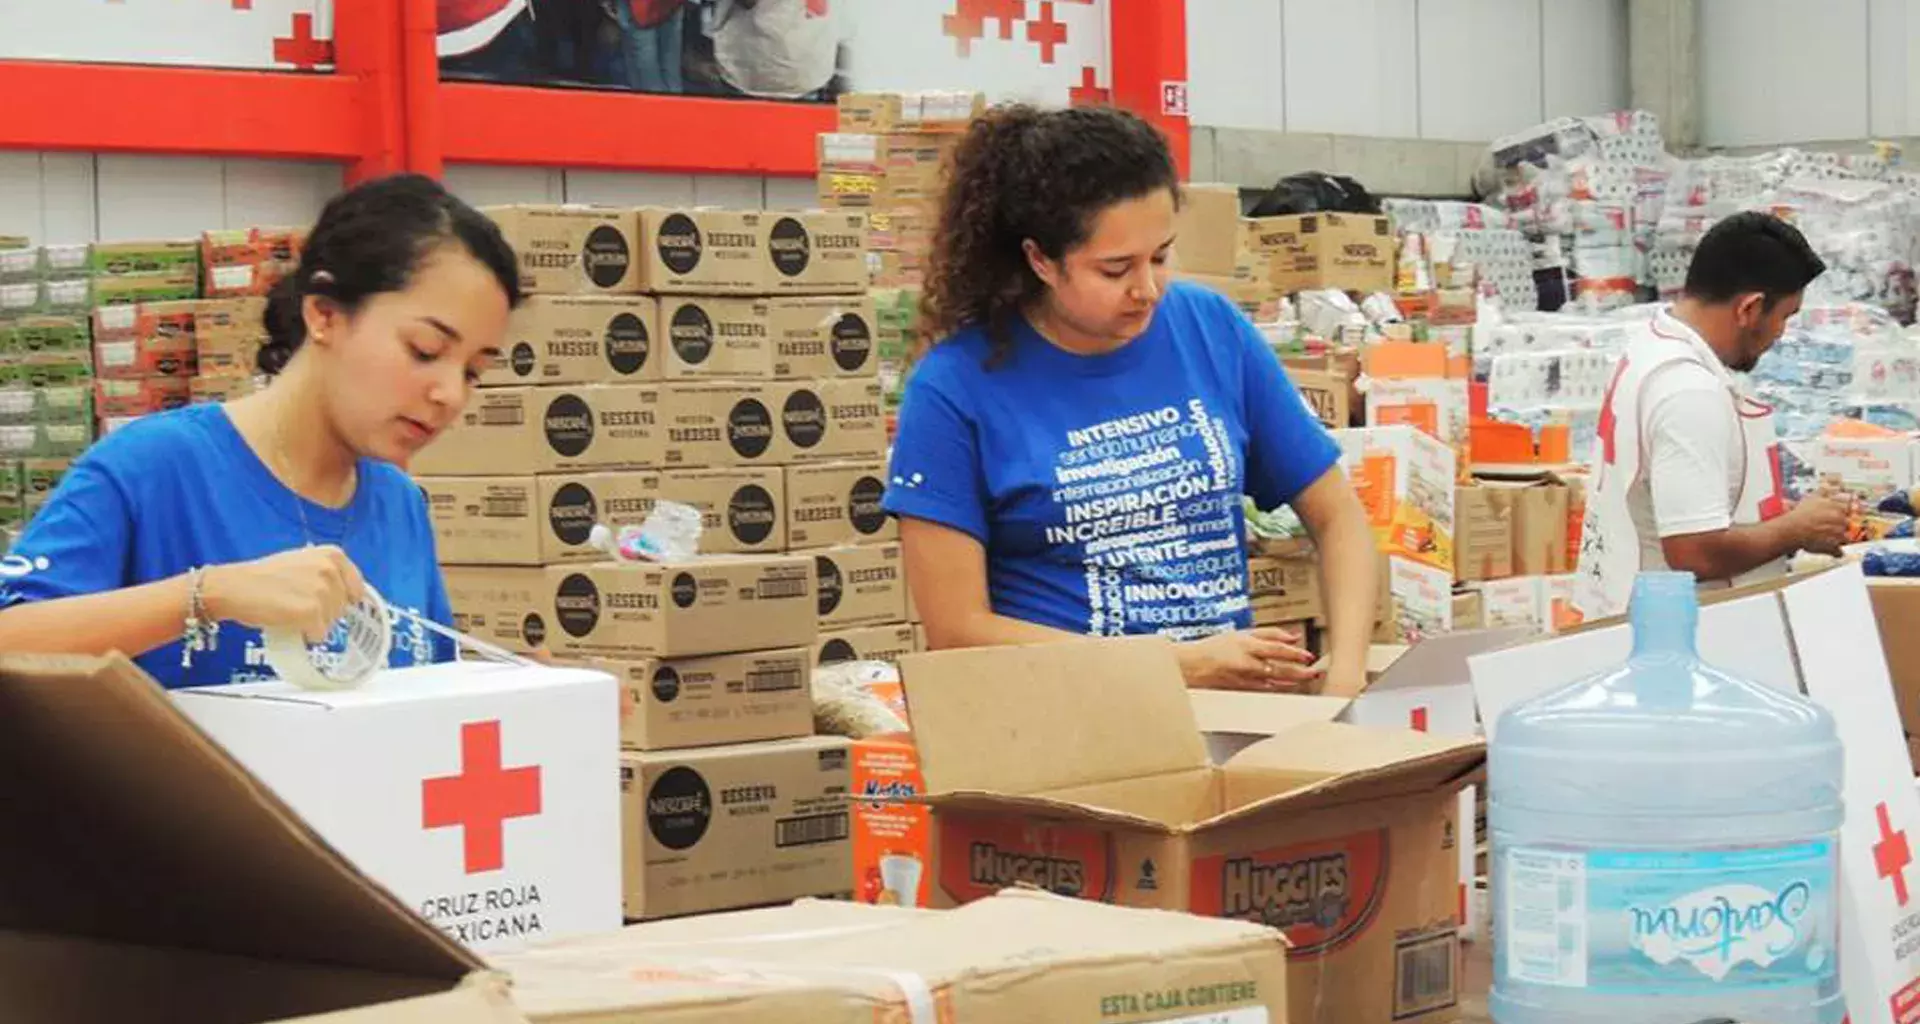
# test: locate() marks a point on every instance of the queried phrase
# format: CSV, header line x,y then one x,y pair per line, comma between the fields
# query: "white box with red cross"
x,y
1815,635
486,797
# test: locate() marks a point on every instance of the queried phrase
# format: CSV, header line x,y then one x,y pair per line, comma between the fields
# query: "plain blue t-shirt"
x,y
1107,490
182,489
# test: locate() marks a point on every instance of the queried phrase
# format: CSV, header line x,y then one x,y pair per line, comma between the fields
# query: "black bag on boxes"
x,y
1315,192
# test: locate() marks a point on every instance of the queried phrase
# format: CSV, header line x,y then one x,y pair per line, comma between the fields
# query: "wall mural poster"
x,y
1051,51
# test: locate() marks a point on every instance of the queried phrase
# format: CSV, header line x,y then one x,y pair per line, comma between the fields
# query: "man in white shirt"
x,y
1687,474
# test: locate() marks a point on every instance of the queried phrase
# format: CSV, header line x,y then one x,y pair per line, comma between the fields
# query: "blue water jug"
x,y
1665,841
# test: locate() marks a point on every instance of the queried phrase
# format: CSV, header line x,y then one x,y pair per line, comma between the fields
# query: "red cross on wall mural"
x,y
301,49
969,21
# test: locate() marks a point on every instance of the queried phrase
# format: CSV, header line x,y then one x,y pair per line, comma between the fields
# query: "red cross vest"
x,y
1610,546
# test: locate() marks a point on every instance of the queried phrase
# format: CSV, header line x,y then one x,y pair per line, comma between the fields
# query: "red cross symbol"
x,y
1417,719
968,21
481,798
302,50
1608,422
1088,93
1046,33
1892,855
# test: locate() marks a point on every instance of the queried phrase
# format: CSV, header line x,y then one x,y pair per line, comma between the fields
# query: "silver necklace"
x,y
300,503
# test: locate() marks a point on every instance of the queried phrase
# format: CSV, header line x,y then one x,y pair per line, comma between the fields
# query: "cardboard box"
x,y
230,355
34,335
1022,956
483,520
1339,251
735,826
923,111
134,288
115,397
1211,238
124,259
153,339
817,252
285,884
721,424
1080,768
713,701
1813,635
832,420
1327,391
1284,589
1868,467
483,795
708,605
823,337
1249,287
860,585
507,607
696,251
64,404
223,387
713,337
1436,405
887,643
1422,599
1516,601
574,249
1469,611
1405,479
1538,511
567,428
837,503
580,339
742,511
1483,542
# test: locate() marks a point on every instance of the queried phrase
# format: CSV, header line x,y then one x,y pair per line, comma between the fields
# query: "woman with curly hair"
x,y
1073,454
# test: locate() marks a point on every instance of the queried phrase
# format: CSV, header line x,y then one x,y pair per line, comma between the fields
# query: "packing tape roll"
x,y
355,649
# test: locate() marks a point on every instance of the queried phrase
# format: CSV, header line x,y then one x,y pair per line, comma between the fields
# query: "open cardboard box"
x,y
1813,635
1425,687
147,876
1081,768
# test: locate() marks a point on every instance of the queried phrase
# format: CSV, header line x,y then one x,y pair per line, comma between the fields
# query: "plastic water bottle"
x,y
1665,842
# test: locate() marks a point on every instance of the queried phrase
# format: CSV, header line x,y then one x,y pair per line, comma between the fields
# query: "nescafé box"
x,y
1080,768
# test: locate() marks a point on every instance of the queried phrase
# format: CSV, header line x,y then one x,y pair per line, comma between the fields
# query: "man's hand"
x,y
1819,523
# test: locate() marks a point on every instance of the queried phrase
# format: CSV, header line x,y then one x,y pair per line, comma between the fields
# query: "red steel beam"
x,y
1149,47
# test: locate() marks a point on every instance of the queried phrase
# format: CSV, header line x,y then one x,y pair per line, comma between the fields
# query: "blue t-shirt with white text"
x,y
179,490
1107,490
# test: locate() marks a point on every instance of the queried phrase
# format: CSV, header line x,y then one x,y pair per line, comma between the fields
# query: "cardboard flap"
x,y
1053,715
1442,660
125,823
1327,765
1040,807
1260,714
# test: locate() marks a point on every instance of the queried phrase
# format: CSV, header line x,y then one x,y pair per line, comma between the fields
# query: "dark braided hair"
x,y
370,240
1022,173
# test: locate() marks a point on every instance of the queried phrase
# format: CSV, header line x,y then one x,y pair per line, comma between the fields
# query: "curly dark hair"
x,y
1025,173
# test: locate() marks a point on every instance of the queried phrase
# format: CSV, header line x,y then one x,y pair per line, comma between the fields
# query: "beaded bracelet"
x,y
202,633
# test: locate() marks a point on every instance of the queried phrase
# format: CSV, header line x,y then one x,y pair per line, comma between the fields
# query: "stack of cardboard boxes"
x,y
888,158
1258,261
46,371
721,360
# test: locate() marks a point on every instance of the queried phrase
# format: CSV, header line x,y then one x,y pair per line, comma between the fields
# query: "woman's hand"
x,y
1262,660
307,589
